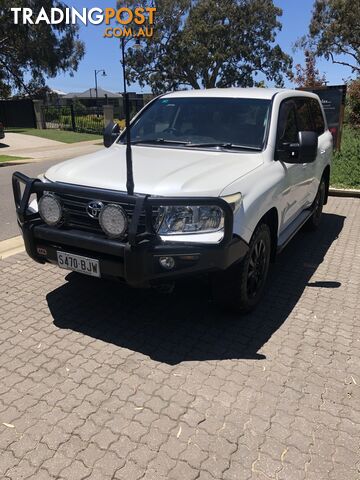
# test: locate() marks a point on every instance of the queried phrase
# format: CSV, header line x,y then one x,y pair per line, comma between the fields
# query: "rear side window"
x,y
303,114
317,116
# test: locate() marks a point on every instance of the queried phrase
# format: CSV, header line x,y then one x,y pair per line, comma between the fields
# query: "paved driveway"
x,y
98,381
13,143
39,149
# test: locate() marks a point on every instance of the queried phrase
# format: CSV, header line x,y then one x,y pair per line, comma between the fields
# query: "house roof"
x,y
57,92
90,93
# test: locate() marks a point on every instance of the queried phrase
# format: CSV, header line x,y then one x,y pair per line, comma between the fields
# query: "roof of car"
x,y
234,92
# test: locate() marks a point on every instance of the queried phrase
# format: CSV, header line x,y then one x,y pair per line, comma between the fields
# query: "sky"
x,y
104,53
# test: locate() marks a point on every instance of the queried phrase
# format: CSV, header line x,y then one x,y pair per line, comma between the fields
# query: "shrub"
x,y
353,103
346,165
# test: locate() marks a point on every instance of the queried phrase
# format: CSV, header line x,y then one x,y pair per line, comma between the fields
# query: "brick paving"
x,y
99,381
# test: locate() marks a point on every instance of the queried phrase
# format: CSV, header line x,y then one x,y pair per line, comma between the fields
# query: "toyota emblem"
x,y
94,208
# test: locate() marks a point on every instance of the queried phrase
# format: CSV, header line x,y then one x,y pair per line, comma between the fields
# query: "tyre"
x,y
240,287
314,221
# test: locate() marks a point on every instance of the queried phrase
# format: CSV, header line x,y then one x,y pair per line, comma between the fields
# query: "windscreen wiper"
x,y
161,141
228,146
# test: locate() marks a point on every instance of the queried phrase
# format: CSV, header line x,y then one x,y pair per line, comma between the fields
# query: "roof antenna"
x,y
126,103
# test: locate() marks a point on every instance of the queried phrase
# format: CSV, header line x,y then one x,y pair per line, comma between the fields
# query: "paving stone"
x,y
76,471
107,382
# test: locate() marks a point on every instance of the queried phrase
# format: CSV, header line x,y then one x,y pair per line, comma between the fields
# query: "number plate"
x,y
77,263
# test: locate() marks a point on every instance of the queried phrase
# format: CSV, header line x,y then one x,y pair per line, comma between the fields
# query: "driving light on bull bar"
x,y
113,220
176,220
168,263
50,209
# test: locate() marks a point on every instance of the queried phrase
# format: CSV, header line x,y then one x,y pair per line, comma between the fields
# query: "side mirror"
x,y
308,145
111,132
304,151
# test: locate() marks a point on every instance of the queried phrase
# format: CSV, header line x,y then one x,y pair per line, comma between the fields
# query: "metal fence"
x,y
77,119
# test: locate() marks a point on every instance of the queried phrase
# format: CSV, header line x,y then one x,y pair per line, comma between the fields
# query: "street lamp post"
x,y
96,84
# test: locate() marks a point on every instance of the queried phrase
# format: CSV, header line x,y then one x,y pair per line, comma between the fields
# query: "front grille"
x,y
76,216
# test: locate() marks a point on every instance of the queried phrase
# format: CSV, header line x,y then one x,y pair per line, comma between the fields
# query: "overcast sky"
x,y
105,53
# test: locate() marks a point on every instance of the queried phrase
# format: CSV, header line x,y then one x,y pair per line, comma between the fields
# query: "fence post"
x,y
73,124
108,114
39,114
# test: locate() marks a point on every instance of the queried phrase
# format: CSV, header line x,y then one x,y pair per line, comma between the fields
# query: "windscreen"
x,y
191,121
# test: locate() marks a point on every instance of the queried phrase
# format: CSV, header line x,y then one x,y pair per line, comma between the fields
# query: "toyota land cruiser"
x,y
223,180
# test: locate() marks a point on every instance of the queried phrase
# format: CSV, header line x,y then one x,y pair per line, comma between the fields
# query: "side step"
x,y
292,229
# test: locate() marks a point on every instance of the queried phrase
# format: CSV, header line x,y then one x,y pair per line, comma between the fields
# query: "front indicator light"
x,y
50,209
113,220
234,201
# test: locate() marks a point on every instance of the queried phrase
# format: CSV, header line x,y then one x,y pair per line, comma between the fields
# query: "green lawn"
x,y
9,158
346,163
58,135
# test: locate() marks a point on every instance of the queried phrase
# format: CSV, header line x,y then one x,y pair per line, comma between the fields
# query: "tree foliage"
x,y
210,43
335,31
308,75
353,103
29,53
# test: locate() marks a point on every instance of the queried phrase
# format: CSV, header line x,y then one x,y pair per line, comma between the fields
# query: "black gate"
x,y
17,113
76,118
60,118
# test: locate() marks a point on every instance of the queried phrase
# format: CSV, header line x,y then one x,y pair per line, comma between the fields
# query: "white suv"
x,y
223,180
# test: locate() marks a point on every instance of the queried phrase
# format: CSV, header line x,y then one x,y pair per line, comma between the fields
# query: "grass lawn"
x,y
346,163
58,135
9,158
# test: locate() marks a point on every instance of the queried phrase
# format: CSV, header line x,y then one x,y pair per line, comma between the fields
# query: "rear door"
x,y
325,146
305,123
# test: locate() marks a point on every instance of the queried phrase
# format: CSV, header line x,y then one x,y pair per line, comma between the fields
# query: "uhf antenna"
x,y
126,103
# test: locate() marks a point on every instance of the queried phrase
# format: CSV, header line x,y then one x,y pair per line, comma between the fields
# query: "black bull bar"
x,y
24,187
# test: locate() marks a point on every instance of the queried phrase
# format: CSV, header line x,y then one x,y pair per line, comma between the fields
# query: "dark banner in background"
x,y
333,101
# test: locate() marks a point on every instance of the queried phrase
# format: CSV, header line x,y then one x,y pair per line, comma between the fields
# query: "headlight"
x,y
175,220
113,220
50,209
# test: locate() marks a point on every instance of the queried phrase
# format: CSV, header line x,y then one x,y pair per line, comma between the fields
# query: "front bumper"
x,y
137,260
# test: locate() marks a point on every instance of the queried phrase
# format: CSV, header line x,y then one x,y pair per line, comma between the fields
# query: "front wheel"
x,y
240,287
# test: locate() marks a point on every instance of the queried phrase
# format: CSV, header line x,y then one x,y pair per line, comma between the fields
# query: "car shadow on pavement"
x,y
185,325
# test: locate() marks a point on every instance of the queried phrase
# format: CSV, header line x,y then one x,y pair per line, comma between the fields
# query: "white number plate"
x,y
77,263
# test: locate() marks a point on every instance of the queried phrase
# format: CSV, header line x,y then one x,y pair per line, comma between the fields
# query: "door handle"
x,y
322,151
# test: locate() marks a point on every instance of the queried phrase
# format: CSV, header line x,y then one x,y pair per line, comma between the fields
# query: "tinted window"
x,y
192,120
317,115
303,113
287,127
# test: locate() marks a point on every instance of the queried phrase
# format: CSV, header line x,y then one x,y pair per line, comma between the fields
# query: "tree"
x,y
209,43
309,75
353,103
335,31
35,51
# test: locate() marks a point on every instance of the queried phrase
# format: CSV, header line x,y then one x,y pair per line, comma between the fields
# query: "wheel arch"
x,y
271,218
326,177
